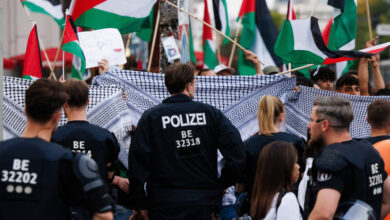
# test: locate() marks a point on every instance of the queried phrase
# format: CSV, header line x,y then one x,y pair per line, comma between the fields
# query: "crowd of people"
x,y
188,161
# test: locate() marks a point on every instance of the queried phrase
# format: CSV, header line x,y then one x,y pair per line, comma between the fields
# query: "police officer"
x,y
344,170
40,180
174,151
80,136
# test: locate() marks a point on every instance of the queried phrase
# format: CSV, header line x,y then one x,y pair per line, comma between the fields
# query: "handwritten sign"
x,y
102,44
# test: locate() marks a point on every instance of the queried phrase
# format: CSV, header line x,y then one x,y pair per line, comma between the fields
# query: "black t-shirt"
x,y
37,180
94,141
255,145
353,168
376,139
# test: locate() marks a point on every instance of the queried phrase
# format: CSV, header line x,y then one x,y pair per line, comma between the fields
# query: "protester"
x,y
206,72
277,170
324,76
344,169
363,72
80,136
53,179
378,116
271,70
270,115
174,152
348,84
223,70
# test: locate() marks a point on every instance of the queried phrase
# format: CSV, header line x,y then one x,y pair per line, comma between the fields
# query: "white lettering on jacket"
x,y
184,120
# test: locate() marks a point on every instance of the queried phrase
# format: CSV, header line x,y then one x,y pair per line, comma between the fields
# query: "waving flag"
x,y
71,45
125,15
301,42
221,18
341,33
210,59
32,67
52,8
259,34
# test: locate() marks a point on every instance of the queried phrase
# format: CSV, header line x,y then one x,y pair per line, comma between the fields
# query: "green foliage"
x,y
278,19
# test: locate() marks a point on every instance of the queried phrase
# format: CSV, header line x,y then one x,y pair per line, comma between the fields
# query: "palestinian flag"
x,y
301,42
340,33
221,18
210,59
71,45
259,34
146,31
125,15
32,67
52,8
290,11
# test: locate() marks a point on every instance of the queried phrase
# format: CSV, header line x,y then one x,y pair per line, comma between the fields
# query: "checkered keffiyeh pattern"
x,y
300,105
106,109
236,96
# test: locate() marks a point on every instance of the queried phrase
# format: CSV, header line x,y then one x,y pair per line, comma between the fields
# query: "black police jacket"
x,y
174,151
92,140
354,168
32,181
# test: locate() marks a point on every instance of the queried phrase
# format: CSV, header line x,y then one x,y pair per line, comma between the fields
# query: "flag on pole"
x,y
301,42
126,16
341,33
290,10
221,18
52,8
210,58
71,45
32,67
146,31
259,34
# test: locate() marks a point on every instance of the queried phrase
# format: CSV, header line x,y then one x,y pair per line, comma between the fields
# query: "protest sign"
x,y
102,44
170,47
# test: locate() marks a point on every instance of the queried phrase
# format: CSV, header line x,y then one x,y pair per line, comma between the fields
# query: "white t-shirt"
x,y
288,208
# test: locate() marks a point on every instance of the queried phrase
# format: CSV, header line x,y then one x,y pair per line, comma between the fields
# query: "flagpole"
x,y
369,19
127,45
296,69
235,40
39,39
208,25
154,40
63,65
57,53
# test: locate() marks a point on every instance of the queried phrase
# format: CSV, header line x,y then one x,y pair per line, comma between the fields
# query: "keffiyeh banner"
x,y
299,107
106,108
236,96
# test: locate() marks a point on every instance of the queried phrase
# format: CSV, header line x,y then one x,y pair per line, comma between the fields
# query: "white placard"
x,y
170,48
102,44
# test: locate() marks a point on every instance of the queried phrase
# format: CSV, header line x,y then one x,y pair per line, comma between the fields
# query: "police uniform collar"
x,y
77,121
177,98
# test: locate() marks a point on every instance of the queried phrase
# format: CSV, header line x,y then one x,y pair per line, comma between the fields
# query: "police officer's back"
x,y
174,150
40,180
80,136
344,170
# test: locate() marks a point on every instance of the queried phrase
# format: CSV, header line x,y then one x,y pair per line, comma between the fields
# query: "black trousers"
x,y
182,213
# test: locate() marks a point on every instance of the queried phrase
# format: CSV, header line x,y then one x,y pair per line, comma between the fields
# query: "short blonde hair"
x,y
270,107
